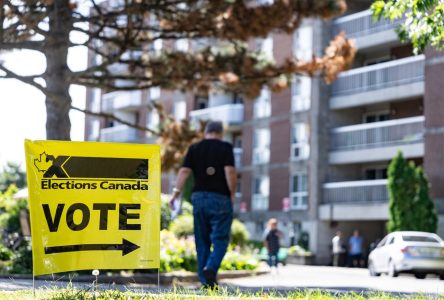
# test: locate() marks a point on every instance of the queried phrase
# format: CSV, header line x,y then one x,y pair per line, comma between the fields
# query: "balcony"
x,y
120,100
394,80
355,200
231,115
377,141
366,32
238,157
119,133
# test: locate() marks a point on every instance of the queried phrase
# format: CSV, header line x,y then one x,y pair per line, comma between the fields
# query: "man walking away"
x,y
211,161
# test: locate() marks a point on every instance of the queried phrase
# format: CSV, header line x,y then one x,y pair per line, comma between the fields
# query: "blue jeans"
x,y
273,259
213,214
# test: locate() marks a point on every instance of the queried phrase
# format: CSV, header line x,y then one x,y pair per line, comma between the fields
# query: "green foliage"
x,y
425,209
409,202
298,250
22,260
239,233
180,254
5,253
176,254
234,260
12,175
165,212
424,20
182,226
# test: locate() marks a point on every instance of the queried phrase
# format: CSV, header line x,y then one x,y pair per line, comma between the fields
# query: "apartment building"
x,y
314,156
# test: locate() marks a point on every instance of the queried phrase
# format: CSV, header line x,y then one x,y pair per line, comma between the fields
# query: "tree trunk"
x,y
58,100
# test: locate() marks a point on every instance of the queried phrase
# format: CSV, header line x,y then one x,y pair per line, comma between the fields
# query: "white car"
x,y
419,253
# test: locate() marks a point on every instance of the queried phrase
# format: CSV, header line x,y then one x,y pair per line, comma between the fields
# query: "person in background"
x,y
272,243
355,245
338,250
211,161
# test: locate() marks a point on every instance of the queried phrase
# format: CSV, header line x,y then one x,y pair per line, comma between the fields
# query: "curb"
x,y
164,278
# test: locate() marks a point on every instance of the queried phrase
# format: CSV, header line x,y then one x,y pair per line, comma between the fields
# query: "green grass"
x,y
179,294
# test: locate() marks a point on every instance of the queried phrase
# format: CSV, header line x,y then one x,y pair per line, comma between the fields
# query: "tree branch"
x,y
117,119
25,79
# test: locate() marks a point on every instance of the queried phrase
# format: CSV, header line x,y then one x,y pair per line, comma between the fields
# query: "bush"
x,y
298,250
22,260
182,226
165,212
239,233
237,261
180,254
5,253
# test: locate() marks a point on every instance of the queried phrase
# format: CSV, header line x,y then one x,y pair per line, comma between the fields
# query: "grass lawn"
x,y
74,293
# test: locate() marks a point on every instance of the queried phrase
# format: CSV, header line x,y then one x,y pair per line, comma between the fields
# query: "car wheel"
x,y
371,269
392,269
420,275
441,276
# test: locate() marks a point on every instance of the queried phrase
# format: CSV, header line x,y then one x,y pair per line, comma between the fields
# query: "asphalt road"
x,y
339,279
288,278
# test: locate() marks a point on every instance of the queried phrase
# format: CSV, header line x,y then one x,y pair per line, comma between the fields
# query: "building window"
x,y
299,191
262,104
301,93
375,173
200,102
300,148
303,43
265,46
180,110
380,116
261,146
261,190
155,93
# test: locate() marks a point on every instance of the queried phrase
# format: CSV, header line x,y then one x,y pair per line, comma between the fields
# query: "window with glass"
x,y
262,104
261,191
261,146
301,93
303,43
300,148
299,191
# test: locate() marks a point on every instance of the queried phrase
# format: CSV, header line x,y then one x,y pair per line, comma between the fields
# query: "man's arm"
x,y
231,176
182,176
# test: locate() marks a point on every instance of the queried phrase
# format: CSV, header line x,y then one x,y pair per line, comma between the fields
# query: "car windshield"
x,y
419,238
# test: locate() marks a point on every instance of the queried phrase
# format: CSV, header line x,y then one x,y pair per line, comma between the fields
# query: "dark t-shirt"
x,y
272,239
207,159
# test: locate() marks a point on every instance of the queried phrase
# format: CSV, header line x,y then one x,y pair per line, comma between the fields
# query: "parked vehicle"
x,y
419,253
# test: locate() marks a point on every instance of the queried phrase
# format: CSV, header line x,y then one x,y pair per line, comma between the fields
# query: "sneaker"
x,y
210,277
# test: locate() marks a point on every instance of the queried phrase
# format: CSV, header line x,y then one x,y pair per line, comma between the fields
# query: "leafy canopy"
x,y
423,20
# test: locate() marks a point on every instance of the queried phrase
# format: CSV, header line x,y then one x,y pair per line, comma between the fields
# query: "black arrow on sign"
x,y
126,247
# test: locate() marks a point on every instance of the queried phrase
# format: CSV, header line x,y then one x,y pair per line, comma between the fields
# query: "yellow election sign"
x,y
93,205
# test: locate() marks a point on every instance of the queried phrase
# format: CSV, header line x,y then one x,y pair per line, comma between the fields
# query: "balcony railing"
x,y
259,202
238,157
121,100
361,24
356,191
119,133
383,75
229,114
378,134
